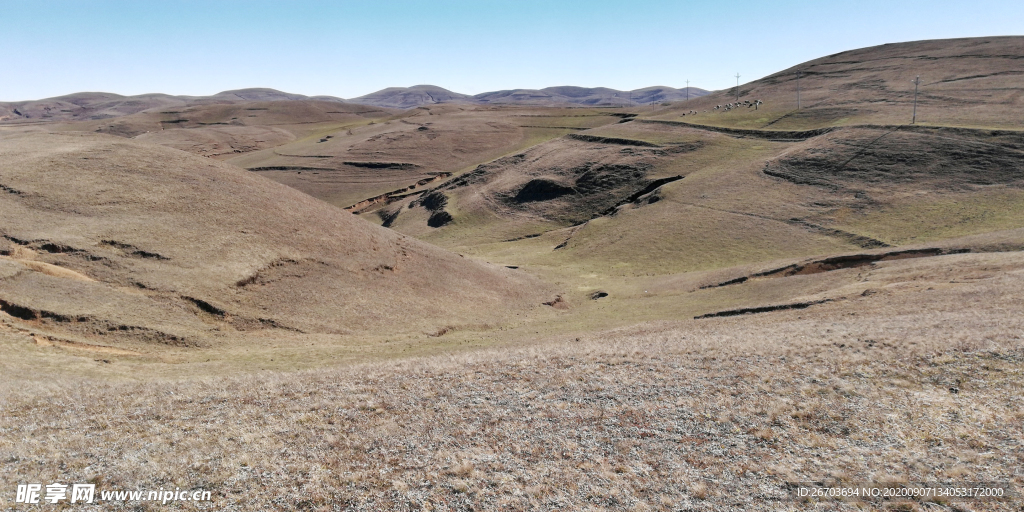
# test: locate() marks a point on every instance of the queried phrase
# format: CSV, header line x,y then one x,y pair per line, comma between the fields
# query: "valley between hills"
x,y
551,299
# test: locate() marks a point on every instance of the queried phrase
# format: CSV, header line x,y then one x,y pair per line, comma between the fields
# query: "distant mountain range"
x,y
105,105
409,97
102,105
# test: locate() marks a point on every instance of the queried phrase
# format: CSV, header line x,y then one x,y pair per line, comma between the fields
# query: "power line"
x,y
798,75
917,82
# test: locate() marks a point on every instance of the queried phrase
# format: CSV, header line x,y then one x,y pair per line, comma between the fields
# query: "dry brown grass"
x,y
964,82
714,414
185,250
710,415
420,143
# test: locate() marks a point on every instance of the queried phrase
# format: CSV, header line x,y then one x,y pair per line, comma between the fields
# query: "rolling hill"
x,y
225,129
662,195
589,96
104,105
106,239
599,200
963,82
409,97
360,164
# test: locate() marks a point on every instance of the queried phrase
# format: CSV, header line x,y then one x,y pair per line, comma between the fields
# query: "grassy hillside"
x,y
349,164
972,82
109,239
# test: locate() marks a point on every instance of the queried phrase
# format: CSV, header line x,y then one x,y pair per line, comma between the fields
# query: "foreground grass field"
x,y
627,421
718,414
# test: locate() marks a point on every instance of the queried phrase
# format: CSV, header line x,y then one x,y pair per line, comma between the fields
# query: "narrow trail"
x,y
852,238
867,147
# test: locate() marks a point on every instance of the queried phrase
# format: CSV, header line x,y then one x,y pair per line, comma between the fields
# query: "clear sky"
x,y
351,48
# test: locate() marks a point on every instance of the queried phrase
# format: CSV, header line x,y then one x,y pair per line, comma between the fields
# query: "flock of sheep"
x,y
744,103
729,106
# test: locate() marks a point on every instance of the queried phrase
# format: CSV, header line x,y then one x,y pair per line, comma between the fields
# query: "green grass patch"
x,y
935,218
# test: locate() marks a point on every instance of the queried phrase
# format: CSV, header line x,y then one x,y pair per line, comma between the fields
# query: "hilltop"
x,y
589,96
963,82
408,97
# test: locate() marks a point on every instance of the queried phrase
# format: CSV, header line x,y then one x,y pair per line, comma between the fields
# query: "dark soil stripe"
x,y
762,309
853,238
288,168
760,134
838,263
382,165
611,140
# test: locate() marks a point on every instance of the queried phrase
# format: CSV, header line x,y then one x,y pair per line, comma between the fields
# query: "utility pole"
x,y
737,87
917,81
798,75
687,90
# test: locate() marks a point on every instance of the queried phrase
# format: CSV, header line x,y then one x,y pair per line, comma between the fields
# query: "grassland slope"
x,y
362,164
105,237
228,128
963,82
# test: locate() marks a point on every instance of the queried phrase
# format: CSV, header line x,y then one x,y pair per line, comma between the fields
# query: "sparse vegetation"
x,y
435,201
639,418
626,309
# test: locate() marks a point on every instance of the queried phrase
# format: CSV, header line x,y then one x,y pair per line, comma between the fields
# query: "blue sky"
x,y
351,48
